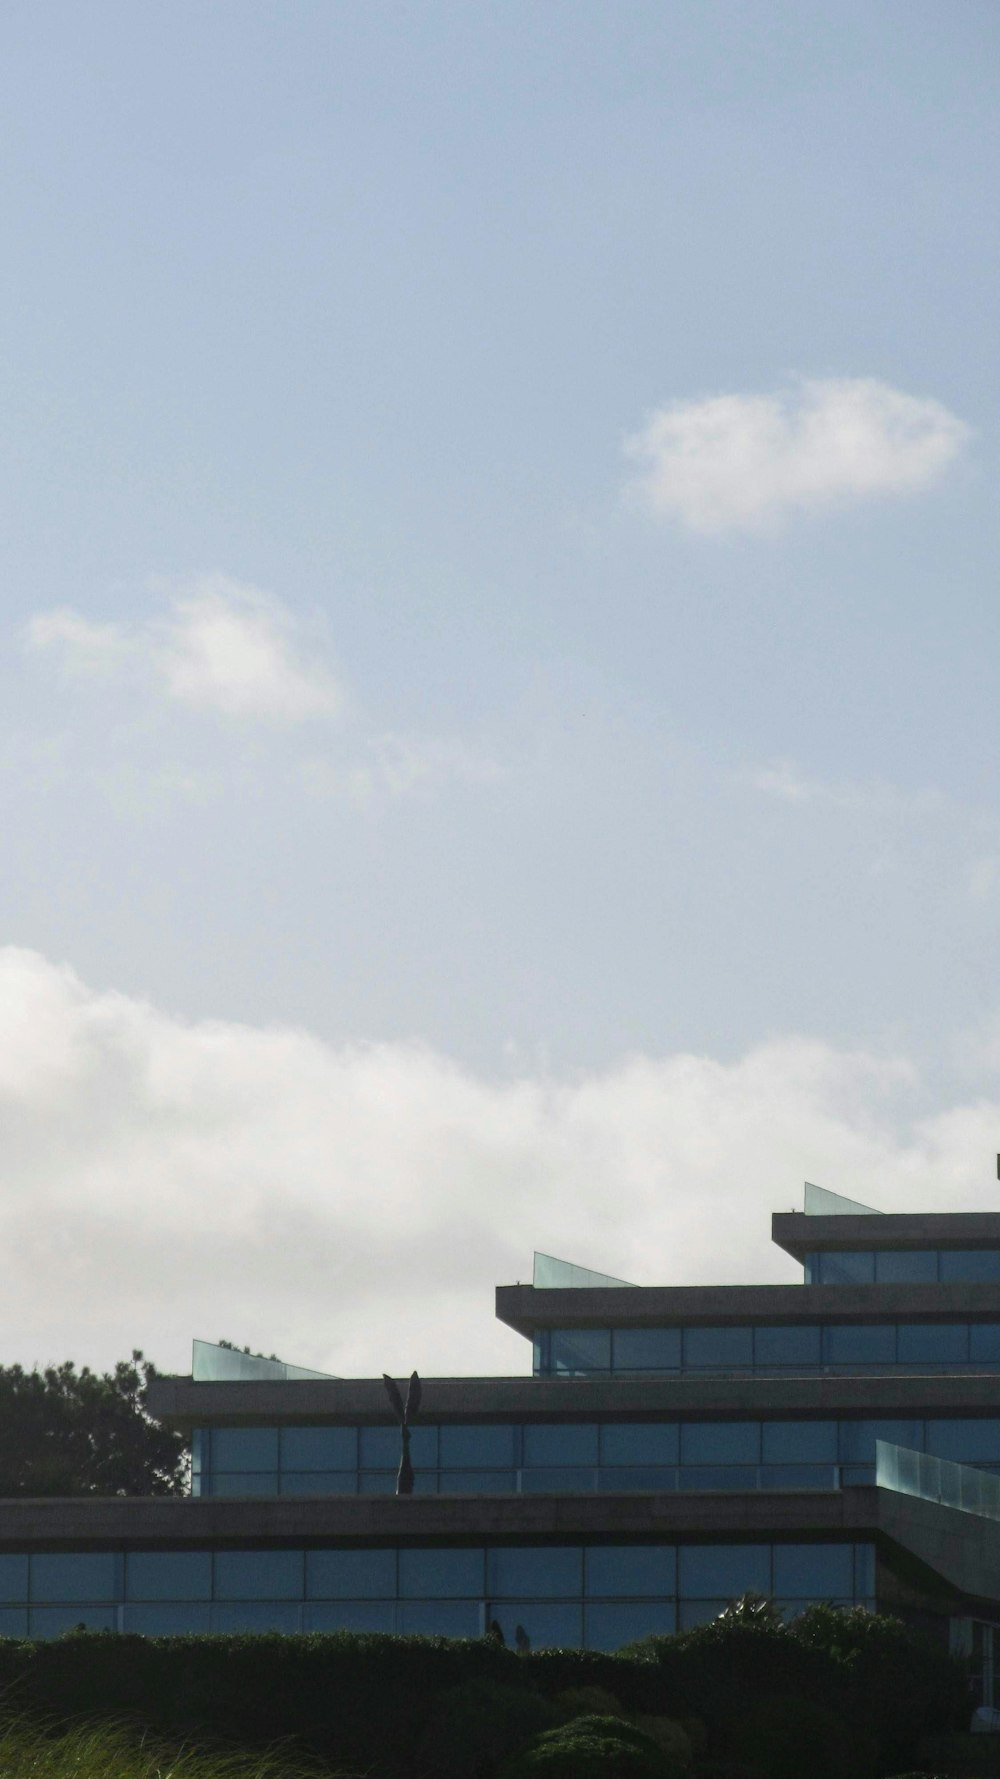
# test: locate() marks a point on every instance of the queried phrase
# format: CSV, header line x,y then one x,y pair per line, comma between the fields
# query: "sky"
x,y
498,624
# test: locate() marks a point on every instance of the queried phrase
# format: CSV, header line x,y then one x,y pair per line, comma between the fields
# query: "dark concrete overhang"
x,y
800,1235
526,1309
182,1404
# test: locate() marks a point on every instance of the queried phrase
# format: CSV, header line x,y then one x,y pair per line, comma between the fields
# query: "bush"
x,y
592,1748
786,1738
475,1727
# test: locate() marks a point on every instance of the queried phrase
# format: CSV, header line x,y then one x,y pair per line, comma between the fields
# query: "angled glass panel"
x,y
799,1442
723,1570
529,1624
319,1448
580,1350
647,1349
776,1347
610,1626
846,1267
859,1343
441,1574
969,1265
624,1571
984,1340
256,1615
477,1447
350,1574
718,1349
55,1621
813,1571
857,1438
258,1574
720,1442
244,1448
819,1201
349,1615
640,1442
916,1267
380,1447
552,1274
168,1575
572,1442
83,1575
965,1440
168,1618
13,1578
539,1571
934,1343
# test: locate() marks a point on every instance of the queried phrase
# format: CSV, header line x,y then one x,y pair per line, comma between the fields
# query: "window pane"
x,y
723,1570
966,1441
647,1349
846,1268
256,1615
169,1575
580,1479
350,1615
380,1447
319,1448
477,1482
786,1346
383,1482
720,1442
857,1438
580,1349
168,1619
13,1578
717,1476
477,1448
258,1575
718,1347
934,1343
441,1574
798,1476
83,1576
350,1574
631,1569
244,1448
814,1571
629,1478
984,1340
864,1570
319,1482
799,1442
970,1265
573,1443
640,1442
609,1627
244,1482
13,1621
540,1353
544,1627
546,1573
860,1343
917,1268
691,1613
55,1621
441,1618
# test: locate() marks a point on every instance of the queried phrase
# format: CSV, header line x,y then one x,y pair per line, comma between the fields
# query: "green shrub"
x,y
789,1737
592,1748
473,1728
587,1701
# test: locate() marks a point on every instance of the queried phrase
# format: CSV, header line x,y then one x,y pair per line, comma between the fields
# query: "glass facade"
x,y
620,1457
598,1596
845,1347
901,1266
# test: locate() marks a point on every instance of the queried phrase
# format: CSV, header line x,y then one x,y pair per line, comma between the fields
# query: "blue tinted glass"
x,y
717,1476
256,1615
640,1442
441,1618
969,1265
319,1448
477,1482
168,1575
83,1576
380,1447
13,1578
691,1613
626,1479
383,1482
647,1349
441,1574
350,1615
13,1621
168,1619
917,1268
718,1347
244,1448
572,1443
551,1572
610,1626
846,1268
477,1448
786,1346
319,1482
860,1343
814,1571
199,1447
933,1342
799,1442
984,1340
350,1574
258,1575
857,1438
720,1442
55,1621
544,1627
624,1570
244,1482
559,1481
580,1349
864,1570
725,1571
798,1476
966,1441
540,1354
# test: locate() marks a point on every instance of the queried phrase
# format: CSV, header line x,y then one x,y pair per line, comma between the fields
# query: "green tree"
x,y
70,1432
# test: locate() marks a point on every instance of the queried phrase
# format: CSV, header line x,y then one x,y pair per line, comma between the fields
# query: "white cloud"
x,y
352,1207
744,462
393,766
223,646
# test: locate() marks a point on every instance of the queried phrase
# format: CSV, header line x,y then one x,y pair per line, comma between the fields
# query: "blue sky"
x,y
498,561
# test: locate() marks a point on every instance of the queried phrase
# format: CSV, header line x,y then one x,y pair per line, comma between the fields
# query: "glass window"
x,y
864,1571
984,1340
55,1621
526,1624
319,1482
814,1571
624,1570
545,1572
256,1615
477,1482
580,1349
319,1448
350,1615
580,1478
798,1476
846,1268
477,1448
712,1571
168,1575
89,1575
258,1575
243,1482
719,1348
168,1619
350,1574
720,1442
857,1438
640,1442
934,1343
786,1346
969,1265
13,1578
647,1349
610,1626
199,1448
13,1621
555,1443
441,1574
383,1482
441,1618
540,1353
919,1267
691,1613
859,1343
244,1448
380,1448
692,1477
638,1478
966,1441
799,1442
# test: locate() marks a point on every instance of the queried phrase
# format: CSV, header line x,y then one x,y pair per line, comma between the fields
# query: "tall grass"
x,y
102,1750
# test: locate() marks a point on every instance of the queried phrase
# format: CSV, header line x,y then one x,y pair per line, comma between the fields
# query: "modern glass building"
x,y
836,1439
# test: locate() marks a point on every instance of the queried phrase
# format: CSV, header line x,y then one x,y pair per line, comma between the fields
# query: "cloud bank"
x,y
745,462
223,646
351,1208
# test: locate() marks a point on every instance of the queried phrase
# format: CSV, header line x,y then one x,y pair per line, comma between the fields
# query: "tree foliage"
x,y
70,1432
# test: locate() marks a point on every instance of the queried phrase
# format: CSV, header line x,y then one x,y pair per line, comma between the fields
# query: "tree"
x,y
69,1432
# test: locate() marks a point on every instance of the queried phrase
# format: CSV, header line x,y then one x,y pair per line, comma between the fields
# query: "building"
x,y
836,1439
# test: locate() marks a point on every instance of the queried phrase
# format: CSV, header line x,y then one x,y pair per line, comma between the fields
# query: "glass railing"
x,y
937,1479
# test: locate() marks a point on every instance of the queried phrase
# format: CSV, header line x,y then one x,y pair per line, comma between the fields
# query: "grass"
x,y
102,1750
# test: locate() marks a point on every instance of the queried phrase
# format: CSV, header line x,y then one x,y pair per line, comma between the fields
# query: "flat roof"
x,y
800,1234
